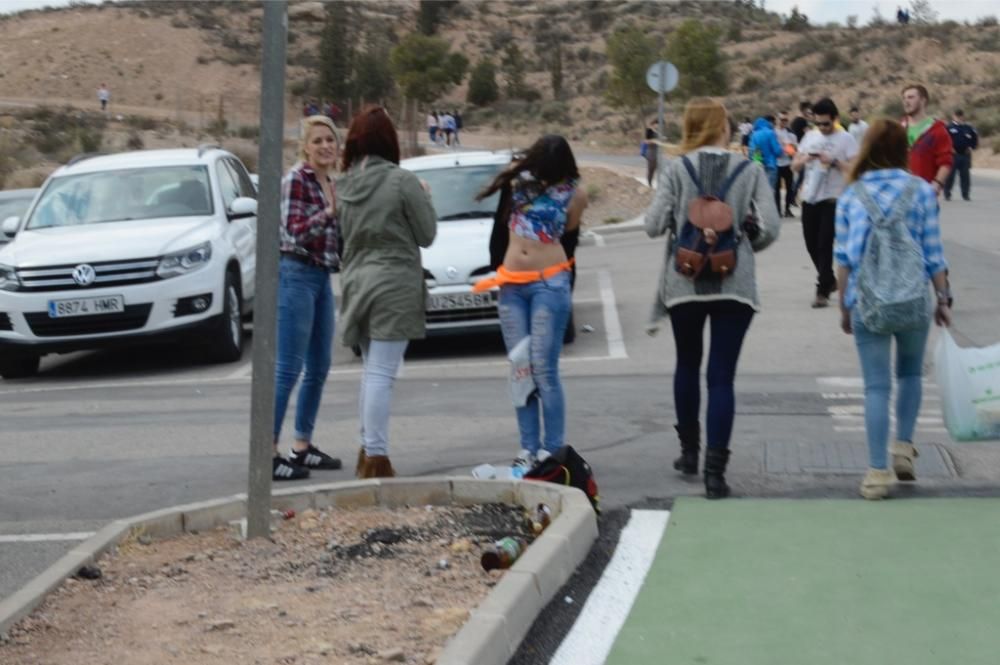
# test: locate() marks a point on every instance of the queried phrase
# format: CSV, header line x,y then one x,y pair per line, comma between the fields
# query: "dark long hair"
x,y
371,133
549,160
884,147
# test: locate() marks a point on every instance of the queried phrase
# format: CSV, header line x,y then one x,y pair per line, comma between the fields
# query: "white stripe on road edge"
x,y
612,326
45,537
590,640
861,428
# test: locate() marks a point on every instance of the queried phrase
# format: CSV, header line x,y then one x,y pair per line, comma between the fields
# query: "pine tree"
x,y
336,55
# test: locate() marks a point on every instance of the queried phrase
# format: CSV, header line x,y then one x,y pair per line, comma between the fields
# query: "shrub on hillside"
x,y
750,84
557,112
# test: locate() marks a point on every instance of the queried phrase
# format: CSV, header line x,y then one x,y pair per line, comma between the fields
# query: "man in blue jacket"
x,y
765,148
964,140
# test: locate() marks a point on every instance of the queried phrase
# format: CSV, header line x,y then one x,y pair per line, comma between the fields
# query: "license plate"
x,y
448,301
59,309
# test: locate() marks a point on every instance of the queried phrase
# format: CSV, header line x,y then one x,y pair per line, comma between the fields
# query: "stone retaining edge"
x,y
493,631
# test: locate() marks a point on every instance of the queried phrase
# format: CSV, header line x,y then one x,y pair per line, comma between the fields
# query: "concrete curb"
x,y
493,631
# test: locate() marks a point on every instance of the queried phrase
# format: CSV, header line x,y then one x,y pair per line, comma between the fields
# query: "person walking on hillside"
x,y
727,301
309,253
825,156
964,140
884,195
930,144
858,126
432,126
541,201
788,147
103,96
386,216
765,148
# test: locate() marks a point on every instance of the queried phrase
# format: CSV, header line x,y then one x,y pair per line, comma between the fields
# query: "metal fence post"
x,y
272,134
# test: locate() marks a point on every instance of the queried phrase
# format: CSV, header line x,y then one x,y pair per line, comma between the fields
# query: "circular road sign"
x,y
670,76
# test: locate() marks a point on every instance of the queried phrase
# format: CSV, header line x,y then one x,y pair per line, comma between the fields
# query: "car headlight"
x,y
8,279
183,262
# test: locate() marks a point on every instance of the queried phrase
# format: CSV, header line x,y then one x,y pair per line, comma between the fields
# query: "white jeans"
x,y
381,364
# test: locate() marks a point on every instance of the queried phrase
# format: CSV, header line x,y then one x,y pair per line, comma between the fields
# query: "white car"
x,y
460,255
153,244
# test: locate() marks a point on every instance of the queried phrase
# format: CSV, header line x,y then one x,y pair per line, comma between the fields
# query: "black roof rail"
x,y
76,159
205,147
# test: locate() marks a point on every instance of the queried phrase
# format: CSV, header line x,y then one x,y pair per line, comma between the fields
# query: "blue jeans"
x,y
875,353
772,177
539,309
729,321
305,337
381,359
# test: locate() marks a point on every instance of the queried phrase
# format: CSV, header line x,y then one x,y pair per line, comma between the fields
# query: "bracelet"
x,y
940,184
943,295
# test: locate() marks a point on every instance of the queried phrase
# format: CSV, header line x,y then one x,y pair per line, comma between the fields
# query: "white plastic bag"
x,y
522,383
969,380
812,181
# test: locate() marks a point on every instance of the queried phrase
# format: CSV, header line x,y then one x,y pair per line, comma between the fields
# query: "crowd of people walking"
x,y
860,187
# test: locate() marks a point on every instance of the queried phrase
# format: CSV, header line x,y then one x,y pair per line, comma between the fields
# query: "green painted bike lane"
x,y
820,582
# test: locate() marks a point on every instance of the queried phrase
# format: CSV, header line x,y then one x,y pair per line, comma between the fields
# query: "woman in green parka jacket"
x,y
386,216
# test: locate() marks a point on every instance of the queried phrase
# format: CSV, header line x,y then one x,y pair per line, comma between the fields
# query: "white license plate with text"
x,y
86,306
446,301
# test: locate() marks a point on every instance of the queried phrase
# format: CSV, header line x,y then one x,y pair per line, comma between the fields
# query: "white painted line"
x,y
612,326
242,372
857,382
861,428
45,537
832,396
590,639
921,420
599,240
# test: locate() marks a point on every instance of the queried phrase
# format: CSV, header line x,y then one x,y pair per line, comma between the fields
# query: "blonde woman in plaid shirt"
x,y
309,253
881,168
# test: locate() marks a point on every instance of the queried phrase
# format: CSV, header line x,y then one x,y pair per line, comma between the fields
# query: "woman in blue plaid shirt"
x,y
881,169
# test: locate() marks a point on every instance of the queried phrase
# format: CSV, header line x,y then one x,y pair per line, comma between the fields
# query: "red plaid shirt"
x,y
306,229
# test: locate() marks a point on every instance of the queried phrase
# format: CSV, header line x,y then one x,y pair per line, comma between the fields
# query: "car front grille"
x,y
133,318
109,273
5,323
456,315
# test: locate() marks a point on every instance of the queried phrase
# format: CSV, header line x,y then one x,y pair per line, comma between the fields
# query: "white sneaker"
x,y
523,463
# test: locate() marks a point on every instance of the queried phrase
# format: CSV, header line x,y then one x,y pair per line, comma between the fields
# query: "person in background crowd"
x,y
458,125
309,253
788,147
386,216
650,149
728,303
432,126
103,96
765,148
745,128
448,123
930,142
799,126
825,155
540,202
964,140
858,126
881,173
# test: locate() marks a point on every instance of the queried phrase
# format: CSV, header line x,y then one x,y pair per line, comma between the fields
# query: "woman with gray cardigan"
x,y
727,299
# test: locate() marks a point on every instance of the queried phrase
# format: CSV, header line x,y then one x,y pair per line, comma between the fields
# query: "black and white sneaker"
x,y
314,458
285,470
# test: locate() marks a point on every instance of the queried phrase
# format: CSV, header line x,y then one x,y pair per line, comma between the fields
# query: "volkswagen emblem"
x,y
84,275
452,272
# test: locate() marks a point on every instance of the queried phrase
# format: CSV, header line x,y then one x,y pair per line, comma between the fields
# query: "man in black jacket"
x,y
964,140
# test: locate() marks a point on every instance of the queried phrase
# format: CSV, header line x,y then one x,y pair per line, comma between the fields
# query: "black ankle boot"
x,y
715,470
690,438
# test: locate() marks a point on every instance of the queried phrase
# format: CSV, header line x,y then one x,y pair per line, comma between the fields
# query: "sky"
x,y
819,11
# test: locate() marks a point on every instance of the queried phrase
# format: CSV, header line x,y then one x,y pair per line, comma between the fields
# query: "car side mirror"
x,y
10,226
244,206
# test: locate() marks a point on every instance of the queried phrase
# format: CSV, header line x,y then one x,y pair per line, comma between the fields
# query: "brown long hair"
x,y
705,121
371,133
884,147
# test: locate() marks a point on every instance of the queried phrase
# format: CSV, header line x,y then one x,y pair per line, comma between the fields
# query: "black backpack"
x,y
695,257
567,467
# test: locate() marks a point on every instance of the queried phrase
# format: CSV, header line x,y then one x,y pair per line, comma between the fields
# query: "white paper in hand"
x,y
522,383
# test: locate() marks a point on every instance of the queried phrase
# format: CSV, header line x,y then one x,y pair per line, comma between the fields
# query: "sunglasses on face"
x,y
826,123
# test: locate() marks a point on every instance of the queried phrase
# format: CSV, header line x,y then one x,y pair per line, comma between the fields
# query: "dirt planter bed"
x,y
495,627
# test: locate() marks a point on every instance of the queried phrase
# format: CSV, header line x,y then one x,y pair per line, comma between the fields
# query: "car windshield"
x,y
454,189
14,207
128,194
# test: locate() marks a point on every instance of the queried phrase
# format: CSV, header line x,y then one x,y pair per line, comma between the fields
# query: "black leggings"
x,y
729,321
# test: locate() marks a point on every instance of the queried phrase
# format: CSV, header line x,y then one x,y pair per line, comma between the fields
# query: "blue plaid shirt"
x,y
853,225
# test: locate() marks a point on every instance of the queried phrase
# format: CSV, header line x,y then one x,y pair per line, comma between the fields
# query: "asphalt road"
x,y
102,435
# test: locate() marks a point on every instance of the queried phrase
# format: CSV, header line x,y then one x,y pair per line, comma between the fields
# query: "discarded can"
x,y
502,554
541,518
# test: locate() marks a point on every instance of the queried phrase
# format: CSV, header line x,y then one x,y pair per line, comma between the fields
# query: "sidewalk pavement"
x,y
824,582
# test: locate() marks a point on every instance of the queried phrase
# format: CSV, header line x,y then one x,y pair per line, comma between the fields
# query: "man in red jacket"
x,y
930,143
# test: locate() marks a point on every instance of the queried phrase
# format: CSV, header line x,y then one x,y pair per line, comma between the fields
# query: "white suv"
x,y
135,246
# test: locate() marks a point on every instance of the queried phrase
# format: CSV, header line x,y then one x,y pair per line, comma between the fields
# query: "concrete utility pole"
x,y
272,133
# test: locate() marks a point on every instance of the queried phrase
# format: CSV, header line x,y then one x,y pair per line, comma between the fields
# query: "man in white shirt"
x,y
858,126
788,142
826,154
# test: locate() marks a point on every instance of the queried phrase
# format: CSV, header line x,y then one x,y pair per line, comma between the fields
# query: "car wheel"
x,y
21,366
570,335
227,338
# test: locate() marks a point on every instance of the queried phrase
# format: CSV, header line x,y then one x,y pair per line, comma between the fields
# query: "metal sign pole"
x,y
272,130
663,77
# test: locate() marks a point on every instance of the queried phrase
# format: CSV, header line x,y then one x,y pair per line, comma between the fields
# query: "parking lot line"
x,y
242,372
612,325
44,537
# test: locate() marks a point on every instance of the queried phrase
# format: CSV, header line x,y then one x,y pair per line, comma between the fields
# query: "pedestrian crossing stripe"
x,y
849,417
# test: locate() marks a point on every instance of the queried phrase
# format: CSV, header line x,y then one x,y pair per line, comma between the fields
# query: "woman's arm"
x,y
303,220
574,213
417,209
767,211
661,210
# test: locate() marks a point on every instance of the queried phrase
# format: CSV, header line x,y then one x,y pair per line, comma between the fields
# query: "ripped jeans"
x,y
539,309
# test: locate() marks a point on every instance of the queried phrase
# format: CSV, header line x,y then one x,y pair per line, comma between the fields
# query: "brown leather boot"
x,y
361,462
377,466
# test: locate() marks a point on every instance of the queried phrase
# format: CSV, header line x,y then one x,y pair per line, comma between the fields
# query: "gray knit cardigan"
x,y
667,214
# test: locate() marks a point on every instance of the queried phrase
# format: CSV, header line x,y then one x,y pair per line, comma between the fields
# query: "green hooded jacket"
x,y
385,217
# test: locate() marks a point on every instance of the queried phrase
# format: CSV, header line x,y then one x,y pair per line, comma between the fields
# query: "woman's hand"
x,y
845,320
942,314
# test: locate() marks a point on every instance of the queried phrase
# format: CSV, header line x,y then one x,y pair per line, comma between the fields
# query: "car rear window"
x,y
454,190
123,195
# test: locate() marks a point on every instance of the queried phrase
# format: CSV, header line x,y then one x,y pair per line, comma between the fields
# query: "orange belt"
x,y
505,276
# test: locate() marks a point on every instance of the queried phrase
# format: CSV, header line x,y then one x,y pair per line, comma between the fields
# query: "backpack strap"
x,y
693,173
899,207
724,190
